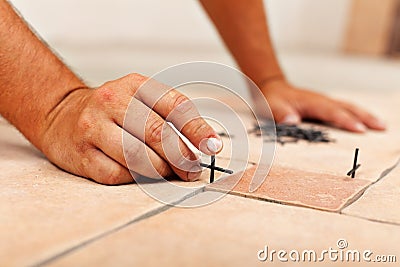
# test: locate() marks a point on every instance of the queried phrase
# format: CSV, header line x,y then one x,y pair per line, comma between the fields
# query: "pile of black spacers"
x,y
291,134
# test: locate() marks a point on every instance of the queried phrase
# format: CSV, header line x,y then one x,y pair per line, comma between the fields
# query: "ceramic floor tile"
x,y
45,210
17,155
378,150
296,187
380,202
230,232
337,159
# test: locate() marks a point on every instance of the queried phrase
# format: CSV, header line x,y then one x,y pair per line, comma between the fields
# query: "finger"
x,y
368,119
131,152
163,100
154,131
106,171
345,120
178,109
334,114
284,113
115,96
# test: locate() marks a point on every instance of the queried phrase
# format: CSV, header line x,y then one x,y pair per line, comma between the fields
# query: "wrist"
x,y
278,78
72,100
278,81
35,117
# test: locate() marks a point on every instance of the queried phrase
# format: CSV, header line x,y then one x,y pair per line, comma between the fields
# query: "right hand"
x,y
85,132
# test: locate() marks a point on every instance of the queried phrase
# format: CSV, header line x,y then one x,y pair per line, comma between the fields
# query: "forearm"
x,y
32,79
242,25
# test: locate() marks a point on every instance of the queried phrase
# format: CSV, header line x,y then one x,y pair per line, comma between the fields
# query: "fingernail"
x,y
194,173
214,145
291,119
380,124
360,127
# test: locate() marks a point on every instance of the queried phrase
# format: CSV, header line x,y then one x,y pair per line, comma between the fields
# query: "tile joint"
x,y
166,207
146,215
361,193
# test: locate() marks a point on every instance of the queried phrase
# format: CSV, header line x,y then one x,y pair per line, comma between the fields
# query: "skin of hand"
x,y
85,133
290,105
82,130
242,24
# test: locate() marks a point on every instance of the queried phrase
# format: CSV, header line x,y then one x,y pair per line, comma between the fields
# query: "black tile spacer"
x,y
352,172
212,169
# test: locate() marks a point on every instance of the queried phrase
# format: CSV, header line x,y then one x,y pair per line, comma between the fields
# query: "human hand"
x,y
290,105
85,132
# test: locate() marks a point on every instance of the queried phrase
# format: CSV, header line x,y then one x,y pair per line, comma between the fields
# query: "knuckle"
x,y
154,131
135,81
132,152
180,100
136,77
85,164
104,94
85,122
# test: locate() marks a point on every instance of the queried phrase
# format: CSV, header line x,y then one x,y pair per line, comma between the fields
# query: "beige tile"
x,y
45,210
376,154
378,150
230,233
17,155
381,201
296,187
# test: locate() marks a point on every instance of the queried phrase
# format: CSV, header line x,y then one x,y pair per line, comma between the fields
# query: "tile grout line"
x,y
370,219
142,217
273,201
361,193
383,175
304,207
166,207
354,199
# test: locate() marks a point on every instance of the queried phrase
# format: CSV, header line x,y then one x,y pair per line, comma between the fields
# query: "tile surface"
x,y
296,187
381,201
378,150
45,211
230,232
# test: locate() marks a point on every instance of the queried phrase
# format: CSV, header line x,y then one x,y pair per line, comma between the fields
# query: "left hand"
x,y
290,105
